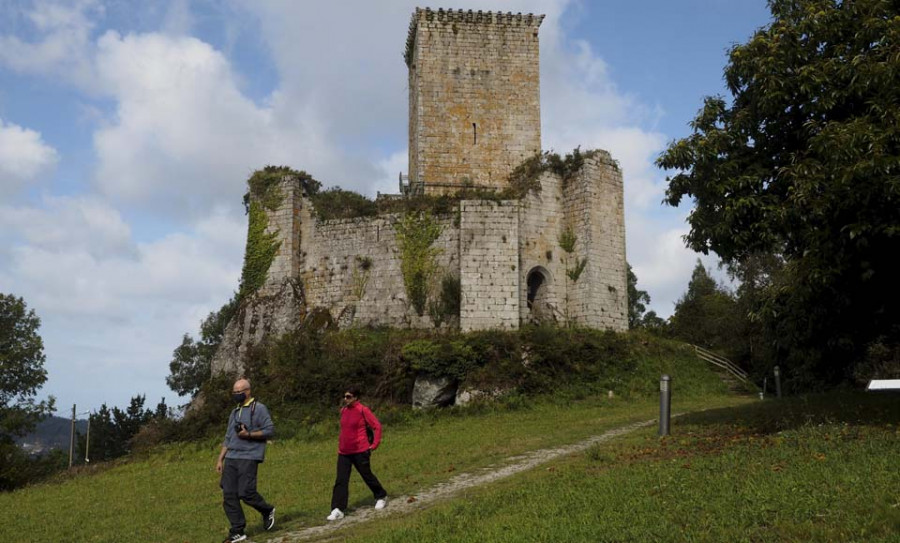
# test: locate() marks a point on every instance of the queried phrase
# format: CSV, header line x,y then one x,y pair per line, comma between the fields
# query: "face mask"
x,y
238,398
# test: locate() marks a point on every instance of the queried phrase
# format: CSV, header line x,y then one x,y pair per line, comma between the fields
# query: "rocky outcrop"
x,y
267,314
433,392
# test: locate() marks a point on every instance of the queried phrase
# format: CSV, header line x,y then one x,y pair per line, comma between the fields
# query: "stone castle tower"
x,y
474,97
557,254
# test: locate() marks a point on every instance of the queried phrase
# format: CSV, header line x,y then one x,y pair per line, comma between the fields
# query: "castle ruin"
x,y
555,254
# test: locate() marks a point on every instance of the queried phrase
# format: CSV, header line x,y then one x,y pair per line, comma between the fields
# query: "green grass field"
x,y
824,468
742,469
173,494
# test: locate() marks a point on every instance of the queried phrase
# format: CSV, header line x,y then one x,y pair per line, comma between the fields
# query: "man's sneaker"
x,y
234,538
269,520
335,515
381,504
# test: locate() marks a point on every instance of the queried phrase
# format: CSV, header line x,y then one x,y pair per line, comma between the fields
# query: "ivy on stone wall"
x,y
447,303
260,252
567,240
263,195
361,276
416,234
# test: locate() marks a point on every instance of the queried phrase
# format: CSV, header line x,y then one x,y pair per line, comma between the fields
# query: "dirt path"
x,y
399,505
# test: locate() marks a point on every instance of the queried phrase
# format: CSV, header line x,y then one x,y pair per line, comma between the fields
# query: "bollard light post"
x,y
665,404
777,381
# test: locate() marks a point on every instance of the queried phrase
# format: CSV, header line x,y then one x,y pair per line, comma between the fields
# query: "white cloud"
x,y
64,45
24,157
113,308
71,224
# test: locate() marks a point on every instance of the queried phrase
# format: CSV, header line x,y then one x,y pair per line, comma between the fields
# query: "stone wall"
x,y
541,218
594,204
285,221
474,81
352,268
489,264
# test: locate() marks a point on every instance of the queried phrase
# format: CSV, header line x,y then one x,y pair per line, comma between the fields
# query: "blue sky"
x,y
128,128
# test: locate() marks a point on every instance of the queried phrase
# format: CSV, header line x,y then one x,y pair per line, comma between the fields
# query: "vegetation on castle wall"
x,y
264,194
526,177
337,203
446,306
260,252
416,234
263,186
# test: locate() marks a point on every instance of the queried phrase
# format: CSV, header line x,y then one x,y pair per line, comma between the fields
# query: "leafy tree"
x,y
113,429
753,345
190,365
637,300
705,315
804,163
22,366
22,369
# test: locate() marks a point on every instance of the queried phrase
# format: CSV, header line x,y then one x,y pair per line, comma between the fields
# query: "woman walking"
x,y
354,449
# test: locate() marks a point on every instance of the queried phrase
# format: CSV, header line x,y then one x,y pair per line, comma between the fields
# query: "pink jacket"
x,y
353,429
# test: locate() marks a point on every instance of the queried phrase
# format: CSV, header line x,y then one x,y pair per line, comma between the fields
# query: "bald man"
x,y
244,448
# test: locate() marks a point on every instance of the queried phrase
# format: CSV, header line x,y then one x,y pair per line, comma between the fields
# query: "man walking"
x,y
244,448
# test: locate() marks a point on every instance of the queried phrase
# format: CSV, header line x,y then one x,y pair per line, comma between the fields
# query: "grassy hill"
x,y
638,483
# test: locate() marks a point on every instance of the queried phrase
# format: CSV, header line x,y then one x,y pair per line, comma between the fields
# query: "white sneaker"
x,y
381,504
335,515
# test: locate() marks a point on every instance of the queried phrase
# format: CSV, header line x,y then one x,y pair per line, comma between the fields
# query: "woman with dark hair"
x,y
355,449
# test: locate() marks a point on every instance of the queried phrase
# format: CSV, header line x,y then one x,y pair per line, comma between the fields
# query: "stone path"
x,y
398,505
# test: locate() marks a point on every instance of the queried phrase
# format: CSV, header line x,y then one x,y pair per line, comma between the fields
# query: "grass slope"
x,y
172,494
823,468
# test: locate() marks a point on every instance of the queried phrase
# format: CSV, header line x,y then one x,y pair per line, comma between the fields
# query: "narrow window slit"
x,y
474,134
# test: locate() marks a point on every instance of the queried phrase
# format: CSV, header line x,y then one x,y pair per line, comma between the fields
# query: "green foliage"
x,y
18,469
302,375
447,305
706,314
337,203
22,364
574,273
526,176
361,274
440,358
190,365
260,252
567,240
263,186
112,430
22,368
416,233
803,162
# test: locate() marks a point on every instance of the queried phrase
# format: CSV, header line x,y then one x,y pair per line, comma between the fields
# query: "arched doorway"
x,y
538,282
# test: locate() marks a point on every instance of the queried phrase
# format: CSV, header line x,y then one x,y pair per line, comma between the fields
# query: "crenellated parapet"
x,y
465,16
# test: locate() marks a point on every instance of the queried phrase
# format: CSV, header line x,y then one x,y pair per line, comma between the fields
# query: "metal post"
x,y
87,441
665,404
777,381
72,438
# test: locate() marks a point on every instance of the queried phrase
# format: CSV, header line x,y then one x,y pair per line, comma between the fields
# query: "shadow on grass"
x,y
774,415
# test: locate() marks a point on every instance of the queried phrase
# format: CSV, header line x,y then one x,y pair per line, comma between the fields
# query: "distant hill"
x,y
50,433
